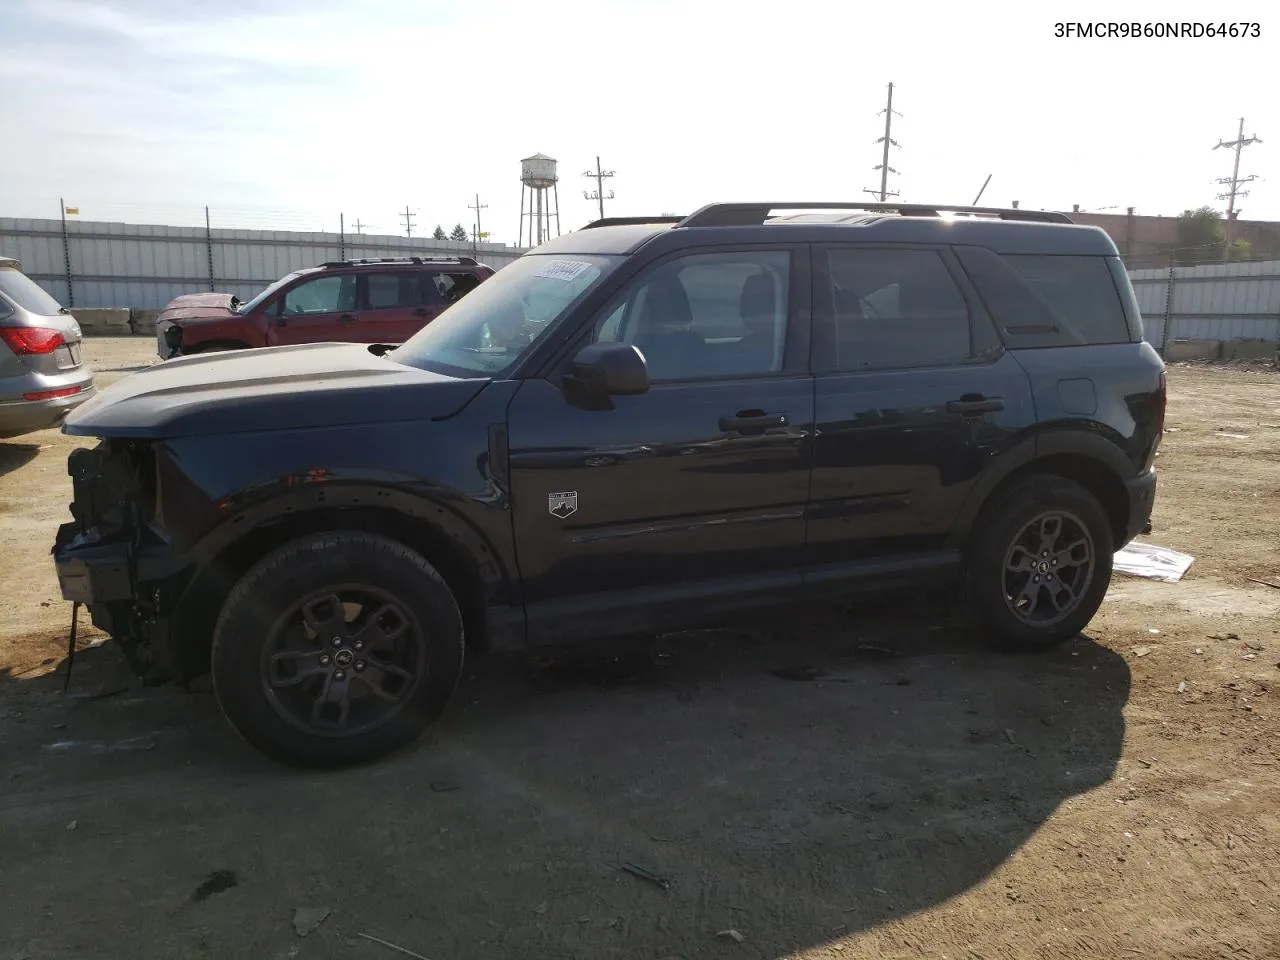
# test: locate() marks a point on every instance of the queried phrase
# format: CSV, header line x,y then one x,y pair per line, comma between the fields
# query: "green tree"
x,y
439,233
1199,236
459,233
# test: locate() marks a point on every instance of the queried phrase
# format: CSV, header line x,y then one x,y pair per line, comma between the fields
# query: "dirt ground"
x,y
1117,797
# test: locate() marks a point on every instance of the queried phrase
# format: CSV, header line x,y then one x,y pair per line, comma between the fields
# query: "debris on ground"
x,y
1182,687
307,919
733,935
1142,650
392,946
1224,636
216,882
73,824
1152,562
1008,735
441,786
541,908
1265,583
644,874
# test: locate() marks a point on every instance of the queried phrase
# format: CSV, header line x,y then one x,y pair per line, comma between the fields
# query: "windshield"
x,y
487,332
253,304
27,294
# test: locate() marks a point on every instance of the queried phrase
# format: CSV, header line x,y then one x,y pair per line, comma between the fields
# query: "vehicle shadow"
x,y
799,781
16,455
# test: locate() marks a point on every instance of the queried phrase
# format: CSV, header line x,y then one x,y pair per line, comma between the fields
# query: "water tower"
x,y
538,182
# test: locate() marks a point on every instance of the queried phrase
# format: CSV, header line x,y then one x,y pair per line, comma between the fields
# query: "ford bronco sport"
x,y
376,300
641,427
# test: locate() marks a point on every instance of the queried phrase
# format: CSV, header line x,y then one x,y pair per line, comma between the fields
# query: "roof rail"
x,y
465,261
751,214
631,221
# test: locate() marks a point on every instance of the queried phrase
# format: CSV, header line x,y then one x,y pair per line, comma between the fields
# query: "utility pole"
x,y
359,226
407,217
1232,184
599,176
888,141
477,208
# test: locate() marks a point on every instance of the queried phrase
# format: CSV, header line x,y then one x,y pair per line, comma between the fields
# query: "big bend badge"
x,y
562,505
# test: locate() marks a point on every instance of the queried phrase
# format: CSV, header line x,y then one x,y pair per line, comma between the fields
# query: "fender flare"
x,y
1074,442
338,495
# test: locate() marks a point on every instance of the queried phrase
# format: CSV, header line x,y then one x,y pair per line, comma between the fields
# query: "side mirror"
x,y
610,370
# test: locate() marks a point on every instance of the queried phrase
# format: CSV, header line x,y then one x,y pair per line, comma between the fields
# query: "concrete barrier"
x,y
1176,350
143,321
103,322
1250,350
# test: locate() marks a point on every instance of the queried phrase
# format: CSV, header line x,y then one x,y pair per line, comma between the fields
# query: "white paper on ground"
x,y
1154,563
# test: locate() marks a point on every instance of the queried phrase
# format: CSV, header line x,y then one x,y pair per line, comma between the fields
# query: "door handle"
x,y
752,420
972,406
346,318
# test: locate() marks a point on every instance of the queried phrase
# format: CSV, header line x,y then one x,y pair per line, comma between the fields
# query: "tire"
x,y
336,649
1012,609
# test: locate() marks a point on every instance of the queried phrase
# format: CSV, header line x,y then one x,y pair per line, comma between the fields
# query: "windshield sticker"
x,y
565,270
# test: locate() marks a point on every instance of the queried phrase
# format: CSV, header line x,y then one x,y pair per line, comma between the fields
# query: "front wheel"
x,y
336,649
1040,563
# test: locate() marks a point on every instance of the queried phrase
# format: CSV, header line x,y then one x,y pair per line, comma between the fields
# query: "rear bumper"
x,y
18,417
1142,498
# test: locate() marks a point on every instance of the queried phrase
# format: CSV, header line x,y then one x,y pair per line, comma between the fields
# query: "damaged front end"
x,y
114,558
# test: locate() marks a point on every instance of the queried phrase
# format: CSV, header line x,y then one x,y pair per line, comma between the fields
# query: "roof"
x,y
1004,231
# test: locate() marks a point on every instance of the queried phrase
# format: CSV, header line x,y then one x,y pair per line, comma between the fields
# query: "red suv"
x,y
362,301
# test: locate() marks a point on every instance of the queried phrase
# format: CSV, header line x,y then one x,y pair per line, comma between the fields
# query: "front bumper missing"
x,y
129,591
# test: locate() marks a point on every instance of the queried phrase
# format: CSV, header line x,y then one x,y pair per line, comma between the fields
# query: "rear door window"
x,y
893,308
392,290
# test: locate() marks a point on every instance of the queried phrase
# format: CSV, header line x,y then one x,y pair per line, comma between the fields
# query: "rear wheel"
x,y
337,649
1040,563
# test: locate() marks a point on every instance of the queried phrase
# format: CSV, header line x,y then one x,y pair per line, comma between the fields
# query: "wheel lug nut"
x,y
359,665
359,645
324,660
1035,579
339,675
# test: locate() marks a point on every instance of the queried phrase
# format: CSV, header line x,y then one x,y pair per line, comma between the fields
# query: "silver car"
x,y
41,375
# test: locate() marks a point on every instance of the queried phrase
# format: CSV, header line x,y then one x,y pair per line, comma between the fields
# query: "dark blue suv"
x,y
643,426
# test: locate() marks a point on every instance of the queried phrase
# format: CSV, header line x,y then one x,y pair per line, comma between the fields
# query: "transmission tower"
x,y
883,166
599,176
1233,183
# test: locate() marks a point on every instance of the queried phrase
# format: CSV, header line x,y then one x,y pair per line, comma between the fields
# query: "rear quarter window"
x,y
1046,300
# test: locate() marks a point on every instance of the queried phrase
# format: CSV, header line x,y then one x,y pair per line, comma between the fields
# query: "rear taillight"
x,y
52,394
29,340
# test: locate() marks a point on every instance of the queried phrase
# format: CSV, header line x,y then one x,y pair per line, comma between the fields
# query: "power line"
x,y
407,217
887,140
1232,184
599,176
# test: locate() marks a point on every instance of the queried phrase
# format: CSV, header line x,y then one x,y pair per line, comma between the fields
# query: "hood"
x,y
274,388
194,306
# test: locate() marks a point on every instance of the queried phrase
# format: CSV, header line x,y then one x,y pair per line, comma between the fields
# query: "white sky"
x,y
283,112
